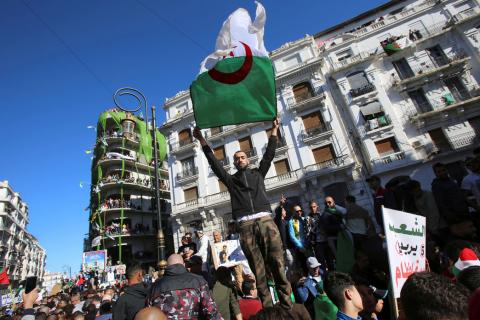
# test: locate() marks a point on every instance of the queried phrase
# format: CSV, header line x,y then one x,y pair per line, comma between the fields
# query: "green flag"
x,y
236,83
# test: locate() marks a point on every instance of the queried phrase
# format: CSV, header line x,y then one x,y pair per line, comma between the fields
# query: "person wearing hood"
x,y
181,294
133,300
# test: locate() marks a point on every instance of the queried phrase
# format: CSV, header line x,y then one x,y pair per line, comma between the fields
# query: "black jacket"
x,y
177,277
132,301
246,187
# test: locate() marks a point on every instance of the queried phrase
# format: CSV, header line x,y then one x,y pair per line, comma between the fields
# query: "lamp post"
x,y
142,100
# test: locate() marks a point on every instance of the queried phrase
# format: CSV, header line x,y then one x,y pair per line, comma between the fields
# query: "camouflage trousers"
x,y
262,245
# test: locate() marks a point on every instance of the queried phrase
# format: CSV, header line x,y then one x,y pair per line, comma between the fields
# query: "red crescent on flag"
x,y
236,76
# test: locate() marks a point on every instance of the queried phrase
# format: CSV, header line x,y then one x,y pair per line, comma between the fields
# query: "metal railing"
x,y
187,173
469,13
360,57
396,156
356,92
314,131
331,163
306,98
251,153
431,66
448,99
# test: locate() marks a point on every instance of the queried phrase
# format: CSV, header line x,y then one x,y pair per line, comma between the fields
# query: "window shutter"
x,y
312,120
281,167
386,146
302,91
323,154
184,135
245,144
222,186
219,152
190,194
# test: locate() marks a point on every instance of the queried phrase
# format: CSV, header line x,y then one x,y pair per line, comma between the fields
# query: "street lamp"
x,y
142,101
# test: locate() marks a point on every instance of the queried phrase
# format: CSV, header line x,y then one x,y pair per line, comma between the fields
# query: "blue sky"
x,y
61,61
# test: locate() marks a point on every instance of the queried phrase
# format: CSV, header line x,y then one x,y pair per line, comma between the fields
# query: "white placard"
x,y
406,243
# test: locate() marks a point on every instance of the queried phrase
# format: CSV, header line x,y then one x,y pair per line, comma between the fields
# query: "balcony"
x,y
453,144
354,60
227,131
187,175
378,124
357,92
182,146
282,180
301,102
463,106
316,133
217,199
329,166
394,161
466,15
430,71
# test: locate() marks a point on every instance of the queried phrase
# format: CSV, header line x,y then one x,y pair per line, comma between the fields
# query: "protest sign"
x,y
406,241
94,260
228,254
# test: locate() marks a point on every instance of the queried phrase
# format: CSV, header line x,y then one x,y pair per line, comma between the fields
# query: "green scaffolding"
x,y
145,149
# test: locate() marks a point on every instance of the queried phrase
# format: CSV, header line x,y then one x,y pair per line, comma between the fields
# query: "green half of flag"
x,y
250,100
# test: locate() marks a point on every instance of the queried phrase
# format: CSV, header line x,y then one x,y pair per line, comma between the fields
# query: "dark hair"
x,y
132,270
438,165
224,276
429,296
350,198
248,286
106,307
69,309
470,278
273,313
335,285
41,316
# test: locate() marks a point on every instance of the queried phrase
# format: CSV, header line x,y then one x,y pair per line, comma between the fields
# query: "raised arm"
x,y
216,166
270,151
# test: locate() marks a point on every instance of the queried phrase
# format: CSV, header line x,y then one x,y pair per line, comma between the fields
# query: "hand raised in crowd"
x,y
283,200
197,134
276,123
30,298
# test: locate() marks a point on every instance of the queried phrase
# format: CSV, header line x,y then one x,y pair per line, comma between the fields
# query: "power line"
x,y
65,44
172,25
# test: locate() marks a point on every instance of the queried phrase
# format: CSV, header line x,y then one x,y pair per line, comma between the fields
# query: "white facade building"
x,y
20,251
348,110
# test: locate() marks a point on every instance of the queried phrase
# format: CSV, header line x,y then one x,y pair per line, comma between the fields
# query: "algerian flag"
x,y
467,258
236,83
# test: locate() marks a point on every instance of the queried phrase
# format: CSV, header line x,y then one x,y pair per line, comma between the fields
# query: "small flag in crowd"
x,y
4,277
236,83
88,151
467,258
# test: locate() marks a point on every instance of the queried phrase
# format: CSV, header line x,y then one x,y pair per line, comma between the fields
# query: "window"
x,y
374,115
312,120
403,68
323,154
439,140
188,166
281,167
302,91
245,144
386,146
190,194
358,80
343,55
222,187
185,136
292,61
219,152
437,56
420,100
457,89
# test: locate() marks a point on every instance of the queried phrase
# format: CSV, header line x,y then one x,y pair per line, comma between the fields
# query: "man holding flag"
x,y
259,236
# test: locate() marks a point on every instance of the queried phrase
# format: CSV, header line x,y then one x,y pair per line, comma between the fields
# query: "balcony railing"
x,y
358,58
356,92
467,14
315,131
176,146
306,99
429,68
394,160
213,132
251,153
331,163
187,173
282,179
